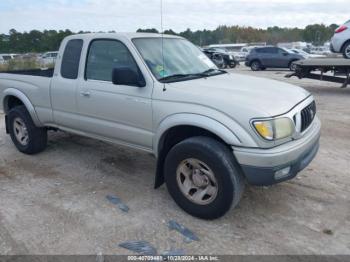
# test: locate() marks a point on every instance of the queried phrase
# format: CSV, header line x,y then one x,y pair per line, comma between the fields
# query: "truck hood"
x,y
236,92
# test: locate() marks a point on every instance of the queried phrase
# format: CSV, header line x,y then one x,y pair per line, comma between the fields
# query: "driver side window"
x,y
104,56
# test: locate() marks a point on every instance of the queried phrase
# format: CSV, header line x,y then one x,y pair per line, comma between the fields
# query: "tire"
x,y
27,138
255,65
233,65
215,159
346,50
292,66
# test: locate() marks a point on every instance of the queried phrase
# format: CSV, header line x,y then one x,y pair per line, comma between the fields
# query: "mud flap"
x,y
7,125
159,180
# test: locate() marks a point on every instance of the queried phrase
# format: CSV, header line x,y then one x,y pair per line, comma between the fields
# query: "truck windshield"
x,y
181,61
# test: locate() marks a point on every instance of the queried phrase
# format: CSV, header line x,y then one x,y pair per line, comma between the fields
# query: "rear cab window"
x,y
71,59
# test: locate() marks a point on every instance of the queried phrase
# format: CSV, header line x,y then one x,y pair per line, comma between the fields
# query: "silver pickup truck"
x,y
211,131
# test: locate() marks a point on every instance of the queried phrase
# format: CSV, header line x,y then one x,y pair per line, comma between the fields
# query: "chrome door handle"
x,y
85,93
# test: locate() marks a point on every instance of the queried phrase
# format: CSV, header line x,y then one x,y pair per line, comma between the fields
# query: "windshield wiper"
x,y
206,73
211,70
171,77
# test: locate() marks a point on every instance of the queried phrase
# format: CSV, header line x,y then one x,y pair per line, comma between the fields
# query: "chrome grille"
x,y
307,116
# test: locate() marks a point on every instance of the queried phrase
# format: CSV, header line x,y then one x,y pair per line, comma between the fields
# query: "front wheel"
x,y
346,51
203,178
28,138
292,66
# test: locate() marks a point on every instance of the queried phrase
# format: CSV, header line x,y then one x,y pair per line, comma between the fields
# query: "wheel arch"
x,y
14,97
179,127
255,60
344,45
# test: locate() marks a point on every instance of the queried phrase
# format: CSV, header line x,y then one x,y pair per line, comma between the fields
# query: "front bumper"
x,y
262,167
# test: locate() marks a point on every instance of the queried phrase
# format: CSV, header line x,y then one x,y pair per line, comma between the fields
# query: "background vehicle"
x,y
341,40
271,57
4,58
48,58
245,51
221,58
210,130
320,50
216,58
232,49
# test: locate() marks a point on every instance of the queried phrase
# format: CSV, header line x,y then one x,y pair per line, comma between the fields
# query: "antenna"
x,y
161,16
162,34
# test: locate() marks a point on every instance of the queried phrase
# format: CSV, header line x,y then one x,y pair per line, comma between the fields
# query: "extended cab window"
x,y
71,59
104,56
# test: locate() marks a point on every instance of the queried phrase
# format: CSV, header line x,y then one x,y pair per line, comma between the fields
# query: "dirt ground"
x,y
55,202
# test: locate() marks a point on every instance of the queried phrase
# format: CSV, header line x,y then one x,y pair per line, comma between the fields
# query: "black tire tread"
x,y
222,152
37,135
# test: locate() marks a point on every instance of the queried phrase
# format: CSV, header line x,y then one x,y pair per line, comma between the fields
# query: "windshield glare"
x,y
180,57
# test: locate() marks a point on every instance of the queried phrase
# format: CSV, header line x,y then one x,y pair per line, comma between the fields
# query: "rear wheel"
x,y
292,66
255,66
203,178
27,138
233,65
346,50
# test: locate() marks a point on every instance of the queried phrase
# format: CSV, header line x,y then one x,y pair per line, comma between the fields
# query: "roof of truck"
x,y
125,35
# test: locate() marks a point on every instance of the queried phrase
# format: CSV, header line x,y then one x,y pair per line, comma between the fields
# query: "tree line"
x,y
49,40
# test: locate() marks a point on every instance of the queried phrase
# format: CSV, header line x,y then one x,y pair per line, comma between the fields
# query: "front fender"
x,y
25,100
237,137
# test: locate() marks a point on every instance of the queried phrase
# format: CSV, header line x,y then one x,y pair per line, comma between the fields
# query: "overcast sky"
x,y
129,15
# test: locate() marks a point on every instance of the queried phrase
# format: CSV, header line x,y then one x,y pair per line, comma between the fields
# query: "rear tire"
x,y
27,138
233,65
255,66
293,66
203,177
346,50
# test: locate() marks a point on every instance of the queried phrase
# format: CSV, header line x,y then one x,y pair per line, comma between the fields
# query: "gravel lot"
x,y
55,202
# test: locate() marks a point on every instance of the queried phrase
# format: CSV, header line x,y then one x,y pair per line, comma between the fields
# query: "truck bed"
x,y
34,84
32,72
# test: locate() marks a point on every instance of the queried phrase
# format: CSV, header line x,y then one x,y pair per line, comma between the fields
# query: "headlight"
x,y
275,129
231,57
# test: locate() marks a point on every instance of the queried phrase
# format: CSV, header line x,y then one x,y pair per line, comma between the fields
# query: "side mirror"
x,y
128,77
285,53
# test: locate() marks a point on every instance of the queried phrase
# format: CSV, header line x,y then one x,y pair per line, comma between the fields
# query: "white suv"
x,y
341,40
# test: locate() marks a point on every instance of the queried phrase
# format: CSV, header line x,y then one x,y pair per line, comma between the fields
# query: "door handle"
x,y
85,93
